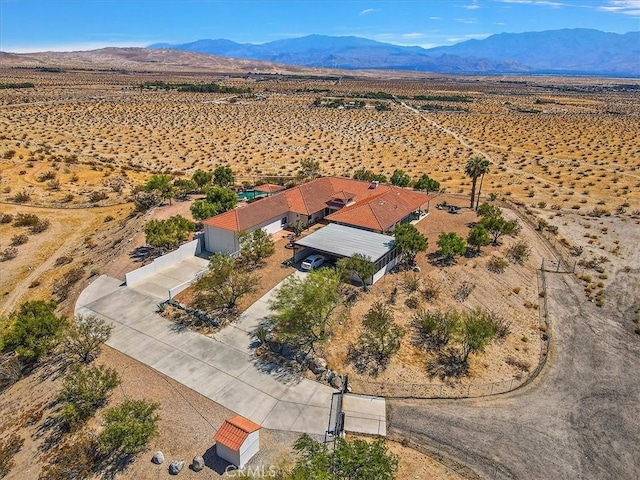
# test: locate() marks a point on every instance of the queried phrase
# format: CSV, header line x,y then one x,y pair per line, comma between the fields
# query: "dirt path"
x,y
578,420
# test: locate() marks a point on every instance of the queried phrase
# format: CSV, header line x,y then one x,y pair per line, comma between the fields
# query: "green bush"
x,y
129,427
33,331
84,390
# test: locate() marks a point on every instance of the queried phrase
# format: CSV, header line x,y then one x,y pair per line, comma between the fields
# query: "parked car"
x,y
312,261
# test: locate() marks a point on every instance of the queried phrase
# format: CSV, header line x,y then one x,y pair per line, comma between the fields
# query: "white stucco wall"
x,y
219,240
250,447
231,456
164,262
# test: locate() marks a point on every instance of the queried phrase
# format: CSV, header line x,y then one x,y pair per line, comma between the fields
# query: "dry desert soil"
x,y
564,158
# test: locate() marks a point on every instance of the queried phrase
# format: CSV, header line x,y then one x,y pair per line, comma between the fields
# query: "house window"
x,y
284,221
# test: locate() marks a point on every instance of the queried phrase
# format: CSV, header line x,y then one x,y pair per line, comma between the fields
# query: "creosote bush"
x,y
519,252
497,264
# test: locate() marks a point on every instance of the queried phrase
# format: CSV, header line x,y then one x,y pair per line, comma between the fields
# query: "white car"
x,y
312,261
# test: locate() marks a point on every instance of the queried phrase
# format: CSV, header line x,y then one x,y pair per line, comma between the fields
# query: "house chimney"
x,y
375,184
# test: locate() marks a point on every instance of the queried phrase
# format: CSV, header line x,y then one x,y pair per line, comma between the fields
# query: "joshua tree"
x,y
476,167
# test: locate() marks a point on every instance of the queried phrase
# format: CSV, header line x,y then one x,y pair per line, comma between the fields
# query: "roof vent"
x,y
374,184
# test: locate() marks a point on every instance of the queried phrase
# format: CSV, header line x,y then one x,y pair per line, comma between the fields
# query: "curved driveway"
x,y
580,419
221,368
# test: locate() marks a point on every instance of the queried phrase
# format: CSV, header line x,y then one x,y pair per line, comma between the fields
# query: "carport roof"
x,y
343,241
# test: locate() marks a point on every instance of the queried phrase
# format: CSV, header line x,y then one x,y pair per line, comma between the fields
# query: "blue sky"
x,y
37,25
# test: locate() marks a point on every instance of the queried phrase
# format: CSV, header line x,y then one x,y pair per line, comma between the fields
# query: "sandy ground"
x,y
579,418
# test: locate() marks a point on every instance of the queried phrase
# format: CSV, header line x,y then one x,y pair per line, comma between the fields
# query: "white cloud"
x,y
412,35
367,11
469,21
435,18
472,6
626,7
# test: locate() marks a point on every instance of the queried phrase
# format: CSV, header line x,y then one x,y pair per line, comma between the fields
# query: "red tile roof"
x,y
235,431
382,211
314,196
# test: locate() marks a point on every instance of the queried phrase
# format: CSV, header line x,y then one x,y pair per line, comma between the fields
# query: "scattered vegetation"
x,y
169,233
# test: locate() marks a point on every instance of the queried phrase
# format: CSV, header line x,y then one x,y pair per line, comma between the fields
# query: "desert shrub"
x,y
8,253
519,252
48,175
64,260
146,200
68,197
75,459
98,196
379,341
501,325
11,368
129,427
26,220
83,391
85,337
410,283
53,184
168,233
8,449
63,285
430,291
6,218
21,197
32,331
108,218
435,329
497,264
412,302
463,291
19,239
598,212
519,364
40,227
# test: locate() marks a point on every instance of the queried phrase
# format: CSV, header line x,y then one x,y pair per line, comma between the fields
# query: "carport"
x,y
340,241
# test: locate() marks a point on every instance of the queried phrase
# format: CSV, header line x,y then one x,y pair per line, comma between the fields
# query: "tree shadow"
x,y
143,253
366,361
275,366
450,363
110,466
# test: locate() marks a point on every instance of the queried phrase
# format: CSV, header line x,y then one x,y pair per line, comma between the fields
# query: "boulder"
x,y
318,365
287,352
158,458
175,467
336,381
197,464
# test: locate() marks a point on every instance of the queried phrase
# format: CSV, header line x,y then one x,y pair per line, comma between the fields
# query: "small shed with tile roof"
x,y
238,440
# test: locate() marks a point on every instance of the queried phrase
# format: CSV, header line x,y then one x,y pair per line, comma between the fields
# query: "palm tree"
x,y
476,167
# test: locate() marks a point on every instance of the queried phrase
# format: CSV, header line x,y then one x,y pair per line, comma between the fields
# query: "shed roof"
x,y
235,431
344,241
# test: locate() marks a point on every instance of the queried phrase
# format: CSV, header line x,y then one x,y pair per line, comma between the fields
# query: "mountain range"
x,y
567,51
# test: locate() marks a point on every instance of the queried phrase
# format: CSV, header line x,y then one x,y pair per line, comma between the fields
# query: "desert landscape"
x,y
78,142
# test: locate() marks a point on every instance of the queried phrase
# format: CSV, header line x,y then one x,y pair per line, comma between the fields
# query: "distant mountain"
x,y
578,51
570,50
348,53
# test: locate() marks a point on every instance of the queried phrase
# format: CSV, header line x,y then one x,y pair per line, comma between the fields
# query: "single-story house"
x,y
237,440
339,241
365,205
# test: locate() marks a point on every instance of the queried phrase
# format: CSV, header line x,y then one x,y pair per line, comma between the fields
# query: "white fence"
x,y
184,252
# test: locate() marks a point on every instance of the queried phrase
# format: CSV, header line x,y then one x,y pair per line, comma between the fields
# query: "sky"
x,y
57,25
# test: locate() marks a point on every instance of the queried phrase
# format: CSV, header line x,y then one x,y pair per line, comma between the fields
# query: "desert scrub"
x,y
519,252
8,253
19,239
497,264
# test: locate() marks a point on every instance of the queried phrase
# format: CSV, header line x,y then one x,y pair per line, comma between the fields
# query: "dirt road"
x,y
580,419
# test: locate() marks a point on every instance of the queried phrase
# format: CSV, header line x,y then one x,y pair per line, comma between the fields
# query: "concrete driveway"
x,y
222,369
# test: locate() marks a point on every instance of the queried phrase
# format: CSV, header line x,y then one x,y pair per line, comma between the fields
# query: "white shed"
x,y
238,440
